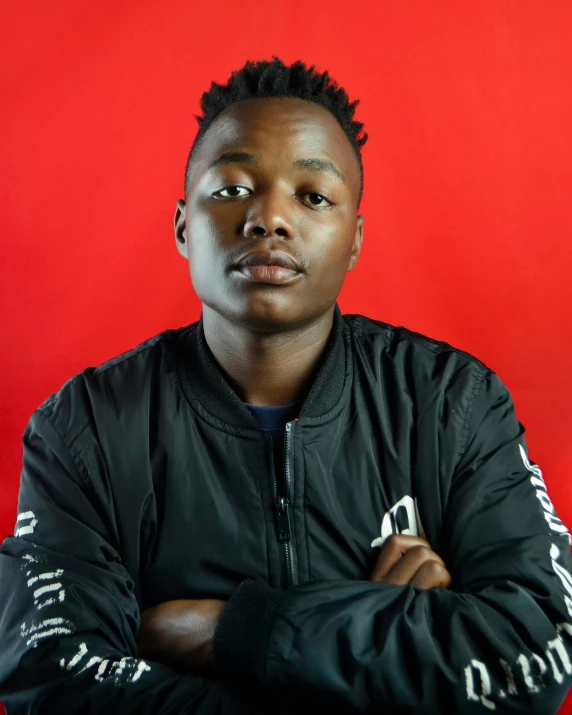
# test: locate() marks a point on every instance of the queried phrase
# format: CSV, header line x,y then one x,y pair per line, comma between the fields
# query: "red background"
x,y
468,177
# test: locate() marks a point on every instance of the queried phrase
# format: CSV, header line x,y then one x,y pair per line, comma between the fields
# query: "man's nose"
x,y
270,214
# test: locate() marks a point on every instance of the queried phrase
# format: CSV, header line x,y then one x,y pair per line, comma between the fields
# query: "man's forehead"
x,y
293,126
252,124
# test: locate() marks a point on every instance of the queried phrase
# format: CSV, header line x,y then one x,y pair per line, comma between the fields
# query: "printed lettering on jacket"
x,y
532,669
402,518
47,586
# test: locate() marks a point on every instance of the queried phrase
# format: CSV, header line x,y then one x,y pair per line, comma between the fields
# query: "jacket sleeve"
x,y
499,639
68,614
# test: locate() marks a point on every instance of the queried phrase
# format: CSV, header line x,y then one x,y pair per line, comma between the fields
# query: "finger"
x,y
406,568
393,551
431,574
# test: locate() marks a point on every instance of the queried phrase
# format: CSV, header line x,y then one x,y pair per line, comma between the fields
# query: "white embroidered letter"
x,y
485,682
28,528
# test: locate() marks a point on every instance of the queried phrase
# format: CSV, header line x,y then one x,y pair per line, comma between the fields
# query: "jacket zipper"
x,y
283,505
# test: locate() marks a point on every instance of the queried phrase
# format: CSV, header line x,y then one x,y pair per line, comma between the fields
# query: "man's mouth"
x,y
272,274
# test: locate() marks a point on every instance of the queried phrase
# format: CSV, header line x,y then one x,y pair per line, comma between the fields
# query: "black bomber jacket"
x,y
146,479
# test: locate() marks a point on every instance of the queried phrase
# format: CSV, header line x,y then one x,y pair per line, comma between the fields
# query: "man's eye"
x,y
229,188
320,196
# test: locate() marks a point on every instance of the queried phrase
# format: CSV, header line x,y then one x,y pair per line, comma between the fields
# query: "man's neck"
x,y
267,369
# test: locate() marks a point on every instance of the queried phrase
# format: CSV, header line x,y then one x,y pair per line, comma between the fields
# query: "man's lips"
x,y
268,274
261,257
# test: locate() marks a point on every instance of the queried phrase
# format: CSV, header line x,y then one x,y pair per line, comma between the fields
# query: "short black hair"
x,y
258,80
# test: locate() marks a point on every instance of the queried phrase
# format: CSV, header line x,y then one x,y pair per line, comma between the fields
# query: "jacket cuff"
x,y
240,640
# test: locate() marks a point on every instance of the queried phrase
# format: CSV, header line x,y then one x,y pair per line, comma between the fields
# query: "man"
x,y
279,507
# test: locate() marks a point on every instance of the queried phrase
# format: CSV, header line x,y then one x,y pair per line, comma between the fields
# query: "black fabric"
x,y
147,479
251,599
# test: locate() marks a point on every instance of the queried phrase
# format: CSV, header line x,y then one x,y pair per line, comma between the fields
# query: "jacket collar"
x,y
203,380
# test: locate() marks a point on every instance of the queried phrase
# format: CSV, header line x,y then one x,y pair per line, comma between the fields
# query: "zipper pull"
x,y
283,521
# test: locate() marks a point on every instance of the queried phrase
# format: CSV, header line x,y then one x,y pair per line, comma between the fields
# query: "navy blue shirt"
x,y
273,419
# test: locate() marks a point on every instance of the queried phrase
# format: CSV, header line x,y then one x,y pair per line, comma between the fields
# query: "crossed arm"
x,y
180,633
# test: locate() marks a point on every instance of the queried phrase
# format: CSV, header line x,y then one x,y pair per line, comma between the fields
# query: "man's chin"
x,y
261,314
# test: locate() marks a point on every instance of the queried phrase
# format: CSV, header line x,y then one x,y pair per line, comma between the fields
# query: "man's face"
x,y
234,208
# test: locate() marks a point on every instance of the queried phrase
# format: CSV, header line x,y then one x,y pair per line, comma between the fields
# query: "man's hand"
x,y
179,633
409,560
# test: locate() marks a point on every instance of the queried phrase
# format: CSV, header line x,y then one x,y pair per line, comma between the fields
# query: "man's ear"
x,y
181,228
356,246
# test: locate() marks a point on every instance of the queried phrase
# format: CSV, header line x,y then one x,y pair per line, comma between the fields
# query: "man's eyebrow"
x,y
311,163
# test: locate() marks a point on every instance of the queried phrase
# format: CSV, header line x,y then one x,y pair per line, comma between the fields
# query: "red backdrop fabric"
x,y
467,171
